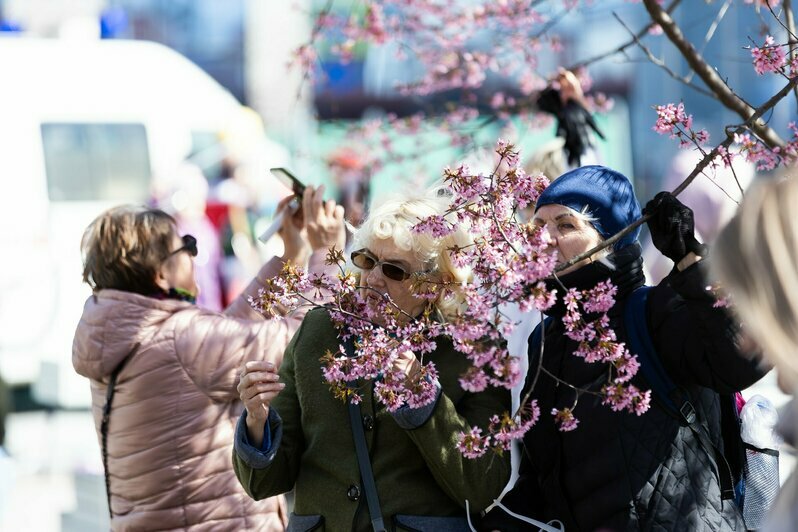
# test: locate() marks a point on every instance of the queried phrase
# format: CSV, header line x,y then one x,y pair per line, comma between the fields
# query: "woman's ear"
x,y
161,281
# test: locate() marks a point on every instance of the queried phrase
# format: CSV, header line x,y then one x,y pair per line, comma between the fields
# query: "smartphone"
x,y
289,180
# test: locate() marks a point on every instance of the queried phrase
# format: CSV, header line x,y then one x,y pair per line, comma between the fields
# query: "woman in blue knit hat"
x,y
617,470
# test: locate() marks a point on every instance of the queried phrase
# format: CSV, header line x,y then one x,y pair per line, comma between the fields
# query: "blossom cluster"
x,y
587,323
672,120
766,158
770,57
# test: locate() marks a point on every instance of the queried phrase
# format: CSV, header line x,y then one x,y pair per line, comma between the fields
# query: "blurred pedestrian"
x,y
755,258
166,371
352,177
185,199
296,435
618,470
564,99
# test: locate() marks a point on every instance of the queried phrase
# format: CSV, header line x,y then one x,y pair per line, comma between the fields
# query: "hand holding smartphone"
x,y
292,182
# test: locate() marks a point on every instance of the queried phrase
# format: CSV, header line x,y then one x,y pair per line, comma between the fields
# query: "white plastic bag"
x,y
759,418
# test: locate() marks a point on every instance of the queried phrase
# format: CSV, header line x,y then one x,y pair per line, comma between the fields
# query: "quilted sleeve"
x,y
699,343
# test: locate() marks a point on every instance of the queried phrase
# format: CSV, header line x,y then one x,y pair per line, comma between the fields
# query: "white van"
x,y
85,125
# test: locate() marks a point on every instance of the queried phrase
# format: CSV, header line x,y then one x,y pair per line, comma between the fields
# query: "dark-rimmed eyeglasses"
x,y
189,246
365,260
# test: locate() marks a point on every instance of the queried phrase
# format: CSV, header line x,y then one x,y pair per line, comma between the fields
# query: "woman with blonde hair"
x,y
296,435
756,261
164,372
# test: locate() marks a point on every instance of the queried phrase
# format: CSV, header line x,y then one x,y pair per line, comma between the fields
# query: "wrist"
x,y
687,261
297,256
255,427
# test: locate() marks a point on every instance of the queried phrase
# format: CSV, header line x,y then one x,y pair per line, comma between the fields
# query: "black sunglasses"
x,y
364,260
189,246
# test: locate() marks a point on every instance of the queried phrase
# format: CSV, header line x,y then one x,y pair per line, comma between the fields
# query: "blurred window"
x,y
96,162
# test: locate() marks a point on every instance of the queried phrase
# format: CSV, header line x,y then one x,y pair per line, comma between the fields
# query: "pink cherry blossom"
x,y
564,419
769,58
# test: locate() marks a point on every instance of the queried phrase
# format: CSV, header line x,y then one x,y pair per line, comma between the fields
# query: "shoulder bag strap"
x,y
366,474
363,460
109,399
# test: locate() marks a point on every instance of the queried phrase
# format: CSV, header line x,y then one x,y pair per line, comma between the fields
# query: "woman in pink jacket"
x,y
167,438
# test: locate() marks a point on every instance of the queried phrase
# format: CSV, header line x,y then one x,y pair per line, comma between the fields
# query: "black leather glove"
x,y
573,123
672,227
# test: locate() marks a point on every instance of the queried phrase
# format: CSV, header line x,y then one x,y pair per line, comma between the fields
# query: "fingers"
x,y
283,202
256,365
260,389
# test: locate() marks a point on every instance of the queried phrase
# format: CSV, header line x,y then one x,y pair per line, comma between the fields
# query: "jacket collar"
x,y
626,276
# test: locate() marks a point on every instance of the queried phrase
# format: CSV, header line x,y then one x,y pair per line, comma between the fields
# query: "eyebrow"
x,y
398,262
539,221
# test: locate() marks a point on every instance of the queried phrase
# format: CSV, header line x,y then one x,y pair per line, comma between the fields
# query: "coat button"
x,y
353,493
368,422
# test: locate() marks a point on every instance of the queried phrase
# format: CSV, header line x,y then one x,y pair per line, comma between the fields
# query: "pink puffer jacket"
x,y
171,427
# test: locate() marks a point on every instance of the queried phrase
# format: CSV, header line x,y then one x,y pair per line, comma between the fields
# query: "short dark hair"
x,y
124,247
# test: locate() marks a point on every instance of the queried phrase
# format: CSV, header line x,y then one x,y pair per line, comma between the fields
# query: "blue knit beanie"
x,y
607,194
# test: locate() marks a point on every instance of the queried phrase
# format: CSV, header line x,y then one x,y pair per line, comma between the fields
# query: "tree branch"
x,y
791,38
712,80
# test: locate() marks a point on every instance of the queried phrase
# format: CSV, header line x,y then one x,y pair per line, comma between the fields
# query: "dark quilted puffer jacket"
x,y
619,471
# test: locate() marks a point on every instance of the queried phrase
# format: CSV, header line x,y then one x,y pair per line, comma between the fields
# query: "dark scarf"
x,y
176,293
627,276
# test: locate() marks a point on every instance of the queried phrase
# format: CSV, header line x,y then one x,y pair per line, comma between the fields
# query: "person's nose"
x,y
374,277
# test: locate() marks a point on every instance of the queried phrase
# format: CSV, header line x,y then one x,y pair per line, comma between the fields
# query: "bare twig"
x,y
730,132
660,63
622,47
711,31
708,75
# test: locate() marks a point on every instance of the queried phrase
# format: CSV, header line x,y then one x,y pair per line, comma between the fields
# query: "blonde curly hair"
x,y
394,219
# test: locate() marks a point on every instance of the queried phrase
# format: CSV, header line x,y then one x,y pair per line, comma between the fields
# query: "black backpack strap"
x,y
537,336
674,399
363,459
109,399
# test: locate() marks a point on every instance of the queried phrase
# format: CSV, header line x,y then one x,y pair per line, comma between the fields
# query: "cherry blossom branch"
x,y
711,78
703,163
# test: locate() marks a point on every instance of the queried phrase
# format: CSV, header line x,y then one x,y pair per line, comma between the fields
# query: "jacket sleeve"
x,y
275,471
212,347
698,343
478,480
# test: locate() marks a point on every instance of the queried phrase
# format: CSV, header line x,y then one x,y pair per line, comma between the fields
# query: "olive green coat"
x,y
417,471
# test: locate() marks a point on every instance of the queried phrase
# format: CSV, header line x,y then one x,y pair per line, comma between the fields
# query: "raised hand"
x,y
324,220
258,386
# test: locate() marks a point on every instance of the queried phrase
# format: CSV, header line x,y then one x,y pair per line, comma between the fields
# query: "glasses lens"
x,y
363,260
190,245
392,271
